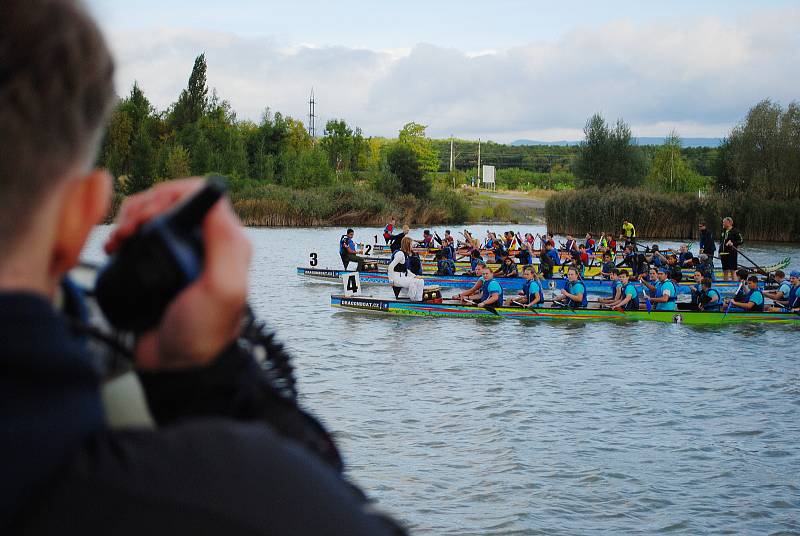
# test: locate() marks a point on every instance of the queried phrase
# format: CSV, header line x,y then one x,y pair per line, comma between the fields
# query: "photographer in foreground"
x,y
232,454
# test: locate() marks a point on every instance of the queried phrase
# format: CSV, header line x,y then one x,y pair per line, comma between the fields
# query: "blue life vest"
x,y
786,288
554,255
445,267
414,264
532,288
614,286
712,306
577,288
794,298
630,290
474,262
670,304
490,288
344,241
757,298
449,252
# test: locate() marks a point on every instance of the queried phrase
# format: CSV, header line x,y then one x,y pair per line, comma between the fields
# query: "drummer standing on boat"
x,y
628,232
730,240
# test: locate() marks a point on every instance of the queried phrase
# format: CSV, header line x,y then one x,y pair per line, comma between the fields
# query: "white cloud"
x,y
699,78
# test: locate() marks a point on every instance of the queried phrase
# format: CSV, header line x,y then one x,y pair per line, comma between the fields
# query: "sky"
x,y
497,70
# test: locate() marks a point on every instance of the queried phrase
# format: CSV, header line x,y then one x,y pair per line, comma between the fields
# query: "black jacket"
x,y
214,465
707,243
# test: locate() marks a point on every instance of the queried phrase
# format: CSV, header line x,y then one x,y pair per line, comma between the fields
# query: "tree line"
x,y
200,134
760,156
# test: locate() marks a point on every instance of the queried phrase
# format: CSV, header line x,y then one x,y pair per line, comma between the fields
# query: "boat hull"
x,y
593,286
455,310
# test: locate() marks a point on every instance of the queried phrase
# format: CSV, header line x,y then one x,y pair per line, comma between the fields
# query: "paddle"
x,y
730,302
489,308
757,267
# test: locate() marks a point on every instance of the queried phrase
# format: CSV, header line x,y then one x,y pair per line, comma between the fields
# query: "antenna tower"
x,y
312,130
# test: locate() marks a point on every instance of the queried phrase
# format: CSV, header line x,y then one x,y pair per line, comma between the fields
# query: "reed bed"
x,y
671,215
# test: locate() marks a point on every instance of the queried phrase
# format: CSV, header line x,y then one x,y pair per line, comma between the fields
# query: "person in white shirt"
x,y
399,276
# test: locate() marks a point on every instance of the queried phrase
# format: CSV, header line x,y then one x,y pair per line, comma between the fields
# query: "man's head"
x,y
727,222
663,273
624,277
487,274
672,260
794,278
706,283
752,282
56,87
614,274
653,273
606,257
698,276
350,233
742,274
702,226
780,275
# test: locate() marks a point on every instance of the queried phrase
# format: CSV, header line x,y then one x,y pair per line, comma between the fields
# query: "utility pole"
x,y
451,153
479,162
312,131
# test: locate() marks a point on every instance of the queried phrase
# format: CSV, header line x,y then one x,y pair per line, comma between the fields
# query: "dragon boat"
x,y
589,271
455,309
593,286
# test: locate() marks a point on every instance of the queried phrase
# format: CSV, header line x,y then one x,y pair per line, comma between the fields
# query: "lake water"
x,y
465,427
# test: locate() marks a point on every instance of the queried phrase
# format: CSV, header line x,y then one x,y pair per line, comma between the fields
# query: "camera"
x,y
162,258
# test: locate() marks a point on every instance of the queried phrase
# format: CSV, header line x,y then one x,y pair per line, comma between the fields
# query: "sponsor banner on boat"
x,y
322,272
375,305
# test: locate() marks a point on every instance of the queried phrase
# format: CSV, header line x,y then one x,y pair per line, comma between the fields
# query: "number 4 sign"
x,y
351,282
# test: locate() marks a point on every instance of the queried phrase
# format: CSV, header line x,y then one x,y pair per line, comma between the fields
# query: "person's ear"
x,y
85,203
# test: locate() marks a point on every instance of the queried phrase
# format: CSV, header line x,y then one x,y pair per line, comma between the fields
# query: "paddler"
x,y
729,242
629,296
444,265
508,268
697,288
474,260
397,239
492,292
347,251
664,293
791,301
574,294
616,287
608,266
388,230
398,271
475,291
531,294
427,240
709,299
783,287
754,301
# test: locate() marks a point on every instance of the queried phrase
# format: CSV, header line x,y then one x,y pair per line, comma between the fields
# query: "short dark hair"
x,y
706,282
741,273
350,231
56,87
752,279
780,273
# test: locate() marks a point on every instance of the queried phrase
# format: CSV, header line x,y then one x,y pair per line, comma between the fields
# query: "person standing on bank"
x,y
729,242
226,452
347,251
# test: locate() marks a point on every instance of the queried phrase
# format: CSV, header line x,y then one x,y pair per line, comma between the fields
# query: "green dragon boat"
x,y
453,308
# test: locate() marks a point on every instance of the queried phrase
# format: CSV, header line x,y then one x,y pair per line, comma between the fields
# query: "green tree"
x,y
337,141
762,155
413,135
670,172
607,156
193,101
142,174
116,152
404,164
177,164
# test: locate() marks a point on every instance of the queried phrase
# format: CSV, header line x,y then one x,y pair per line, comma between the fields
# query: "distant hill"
x,y
685,142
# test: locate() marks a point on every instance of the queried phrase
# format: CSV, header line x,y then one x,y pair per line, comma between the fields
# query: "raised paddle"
x,y
757,267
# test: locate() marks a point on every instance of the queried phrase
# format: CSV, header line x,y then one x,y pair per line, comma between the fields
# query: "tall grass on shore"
x,y
271,205
671,215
